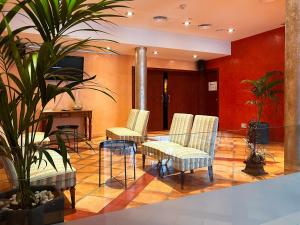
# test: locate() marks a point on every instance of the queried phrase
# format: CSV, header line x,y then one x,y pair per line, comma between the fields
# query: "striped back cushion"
x,y
133,114
8,165
181,128
204,134
142,122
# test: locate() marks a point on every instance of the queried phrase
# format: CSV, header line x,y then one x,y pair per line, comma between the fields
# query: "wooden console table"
x,y
86,114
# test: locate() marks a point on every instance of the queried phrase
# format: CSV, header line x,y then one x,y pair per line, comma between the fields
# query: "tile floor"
x,y
148,188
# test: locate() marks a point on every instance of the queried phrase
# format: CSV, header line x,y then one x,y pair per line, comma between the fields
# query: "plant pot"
x,y
50,213
260,132
254,169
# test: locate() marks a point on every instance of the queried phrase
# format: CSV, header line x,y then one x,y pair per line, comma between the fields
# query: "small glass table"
x,y
120,147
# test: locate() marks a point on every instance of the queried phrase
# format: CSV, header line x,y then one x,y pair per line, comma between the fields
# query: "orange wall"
x,y
115,73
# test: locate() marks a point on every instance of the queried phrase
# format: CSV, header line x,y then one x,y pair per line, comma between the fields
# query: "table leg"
x,y
90,128
125,169
110,163
99,166
134,165
85,127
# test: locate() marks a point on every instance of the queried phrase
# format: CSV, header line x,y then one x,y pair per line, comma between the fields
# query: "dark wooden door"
x,y
212,95
155,99
186,92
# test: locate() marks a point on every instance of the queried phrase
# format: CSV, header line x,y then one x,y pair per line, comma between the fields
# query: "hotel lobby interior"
x,y
149,112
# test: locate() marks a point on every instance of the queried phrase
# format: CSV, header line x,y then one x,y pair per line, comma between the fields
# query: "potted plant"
x,y
265,91
24,94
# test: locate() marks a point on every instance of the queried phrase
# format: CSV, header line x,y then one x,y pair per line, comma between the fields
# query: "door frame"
x,y
218,80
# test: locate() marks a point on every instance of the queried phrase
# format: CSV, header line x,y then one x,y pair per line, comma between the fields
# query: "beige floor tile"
x,y
92,203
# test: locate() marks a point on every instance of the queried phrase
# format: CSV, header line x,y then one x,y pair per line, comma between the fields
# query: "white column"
x,y
141,78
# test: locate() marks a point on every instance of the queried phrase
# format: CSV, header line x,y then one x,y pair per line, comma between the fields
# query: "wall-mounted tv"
x,y
71,67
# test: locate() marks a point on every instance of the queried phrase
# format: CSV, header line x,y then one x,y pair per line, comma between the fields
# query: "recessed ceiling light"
x,y
204,26
187,23
129,13
195,56
155,53
160,18
230,30
267,1
108,48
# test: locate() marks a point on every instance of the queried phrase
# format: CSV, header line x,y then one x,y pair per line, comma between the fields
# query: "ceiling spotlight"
x,y
155,53
230,30
267,1
204,26
195,56
129,13
108,48
160,19
187,23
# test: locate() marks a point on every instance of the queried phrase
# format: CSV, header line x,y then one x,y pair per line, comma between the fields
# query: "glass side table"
x,y
120,147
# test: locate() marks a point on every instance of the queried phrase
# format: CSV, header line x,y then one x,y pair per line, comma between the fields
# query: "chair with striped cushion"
x,y
133,114
138,133
178,136
200,151
62,179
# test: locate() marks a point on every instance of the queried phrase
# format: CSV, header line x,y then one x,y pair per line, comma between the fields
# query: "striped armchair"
x,y
178,136
199,151
133,114
137,131
62,179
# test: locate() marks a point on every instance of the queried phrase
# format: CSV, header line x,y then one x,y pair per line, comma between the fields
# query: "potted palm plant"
x,y
24,94
265,91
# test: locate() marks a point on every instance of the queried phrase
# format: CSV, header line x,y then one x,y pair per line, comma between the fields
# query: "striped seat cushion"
x,y
180,128
137,134
133,114
39,138
45,174
204,133
158,150
185,158
178,136
142,122
124,134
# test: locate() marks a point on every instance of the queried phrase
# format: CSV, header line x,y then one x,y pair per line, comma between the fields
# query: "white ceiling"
x,y
248,17
174,41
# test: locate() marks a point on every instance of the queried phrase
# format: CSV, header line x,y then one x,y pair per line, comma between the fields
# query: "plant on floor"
x,y
265,90
25,92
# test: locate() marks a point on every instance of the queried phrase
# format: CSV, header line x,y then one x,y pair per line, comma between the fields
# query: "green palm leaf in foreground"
x,y
24,93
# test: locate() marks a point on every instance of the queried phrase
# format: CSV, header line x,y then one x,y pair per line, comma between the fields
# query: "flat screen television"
x,y
74,63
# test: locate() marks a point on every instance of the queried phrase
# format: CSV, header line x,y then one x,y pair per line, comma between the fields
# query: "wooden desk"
x,y
86,114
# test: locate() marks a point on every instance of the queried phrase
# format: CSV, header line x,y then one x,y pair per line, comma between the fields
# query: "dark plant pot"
x,y
261,132
254,169
50,213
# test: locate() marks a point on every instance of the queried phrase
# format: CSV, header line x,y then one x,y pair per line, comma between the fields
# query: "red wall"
x,y
250,58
